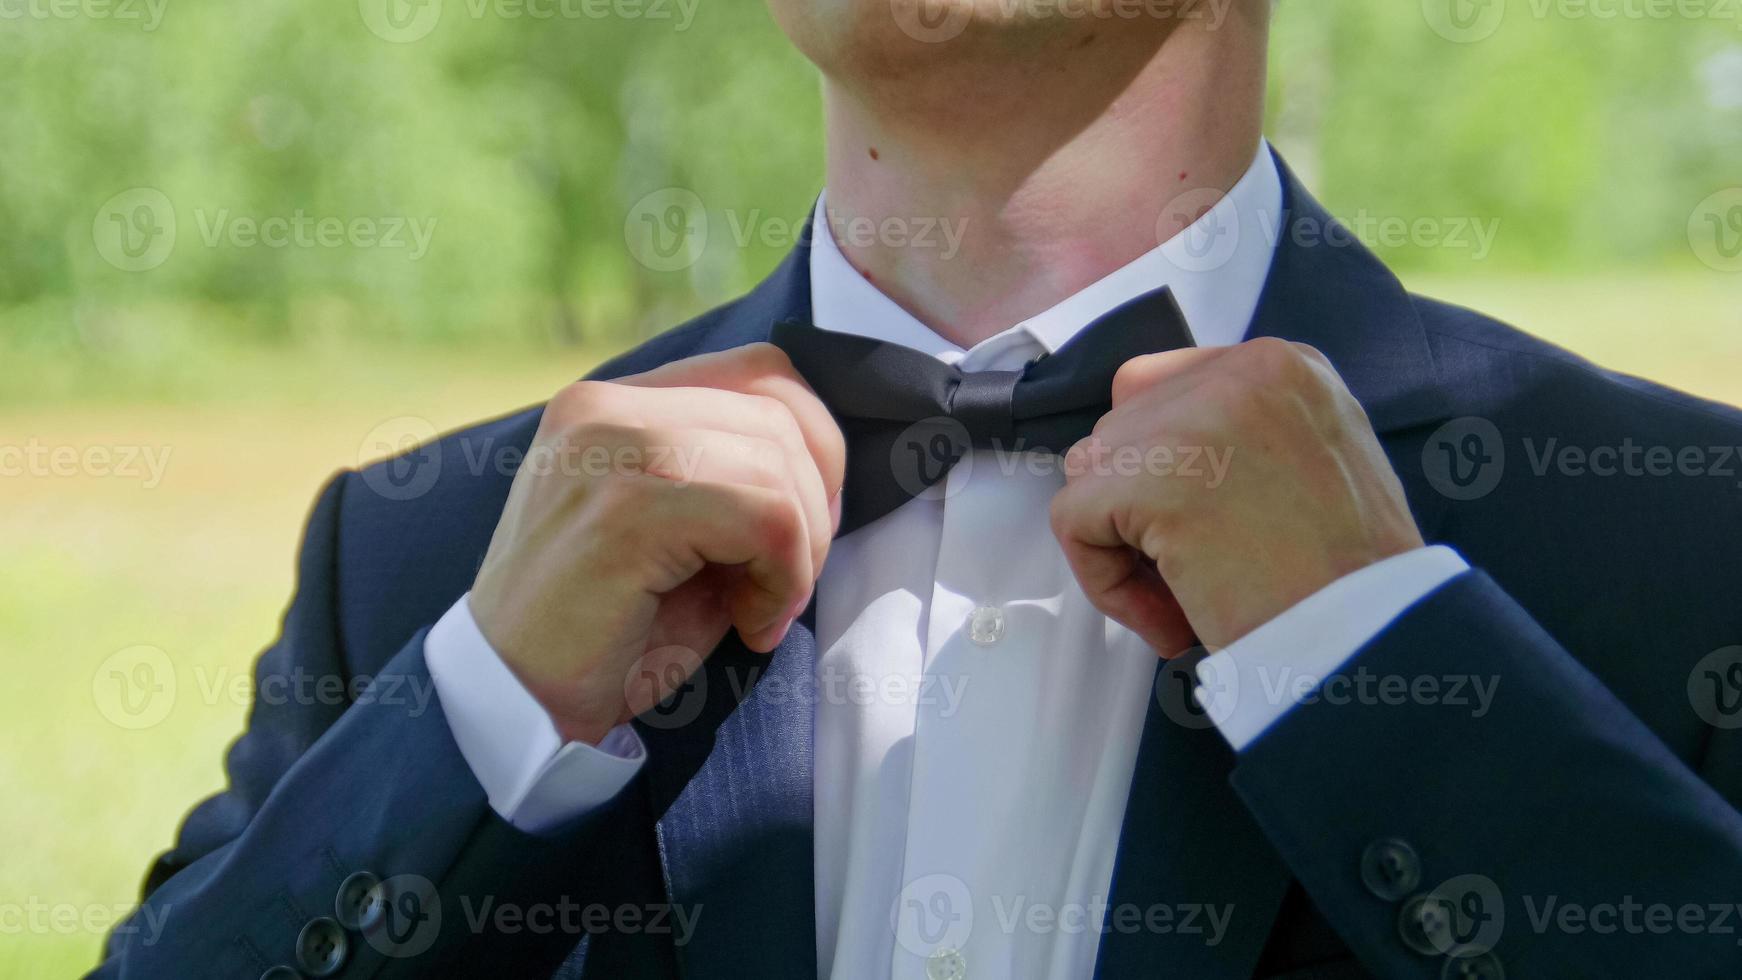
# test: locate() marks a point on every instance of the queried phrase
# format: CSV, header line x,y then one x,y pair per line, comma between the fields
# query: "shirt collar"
x,y
1216,268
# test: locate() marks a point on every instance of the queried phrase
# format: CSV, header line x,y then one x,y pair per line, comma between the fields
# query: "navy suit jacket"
x,y
1607,770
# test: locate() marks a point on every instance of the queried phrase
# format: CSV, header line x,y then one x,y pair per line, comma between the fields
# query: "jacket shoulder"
x,y
1598,500
1492,368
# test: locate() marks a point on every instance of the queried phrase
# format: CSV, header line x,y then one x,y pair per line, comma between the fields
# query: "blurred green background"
x,y
244,244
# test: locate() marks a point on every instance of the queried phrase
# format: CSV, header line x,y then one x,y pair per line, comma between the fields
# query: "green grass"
x,y
200,564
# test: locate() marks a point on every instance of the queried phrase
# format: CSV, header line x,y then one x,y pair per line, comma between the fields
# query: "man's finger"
x,y
750,415
1117,578
763,369
760,529
1148,370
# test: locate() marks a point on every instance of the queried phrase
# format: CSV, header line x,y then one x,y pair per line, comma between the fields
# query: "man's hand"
x,y
651,515
1304,495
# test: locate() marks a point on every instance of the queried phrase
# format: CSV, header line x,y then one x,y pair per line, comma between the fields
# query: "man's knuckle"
x,y
1058,514
764,456
771,415
777,523
765,358
1311,354
1267,353
1132,376
575,400
1318,392
1269,363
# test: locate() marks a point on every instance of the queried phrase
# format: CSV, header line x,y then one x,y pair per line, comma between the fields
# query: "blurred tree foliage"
x,y
527,140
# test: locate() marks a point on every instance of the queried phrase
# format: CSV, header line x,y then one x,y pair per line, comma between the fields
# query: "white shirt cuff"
x,y
1251,683
533,779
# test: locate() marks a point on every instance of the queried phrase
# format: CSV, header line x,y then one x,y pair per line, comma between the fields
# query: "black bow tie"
x,y
908,417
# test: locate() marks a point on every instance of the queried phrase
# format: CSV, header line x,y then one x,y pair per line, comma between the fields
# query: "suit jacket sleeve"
x,y
321,788
1553,828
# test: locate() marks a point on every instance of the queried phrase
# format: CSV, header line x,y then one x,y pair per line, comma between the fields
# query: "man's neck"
x,y
978,200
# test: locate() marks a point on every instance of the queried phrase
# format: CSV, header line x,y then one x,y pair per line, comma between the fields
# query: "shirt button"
x,y
986,625
946,964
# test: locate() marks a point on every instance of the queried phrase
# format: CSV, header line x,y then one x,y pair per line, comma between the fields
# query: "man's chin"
x,y
887,39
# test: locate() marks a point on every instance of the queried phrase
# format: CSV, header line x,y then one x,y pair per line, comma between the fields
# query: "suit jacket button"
x,y
321,947
281,972
1390,869
1425,925
358,903
1481,966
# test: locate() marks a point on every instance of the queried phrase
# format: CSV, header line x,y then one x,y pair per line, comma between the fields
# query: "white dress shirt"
x,y
978,720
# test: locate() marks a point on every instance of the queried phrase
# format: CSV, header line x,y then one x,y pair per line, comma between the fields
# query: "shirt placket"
x,y
978,702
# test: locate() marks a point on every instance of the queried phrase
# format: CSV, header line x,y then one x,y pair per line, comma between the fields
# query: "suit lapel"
x,y
729,762
1188,844
1188,853
1327,290
729,772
